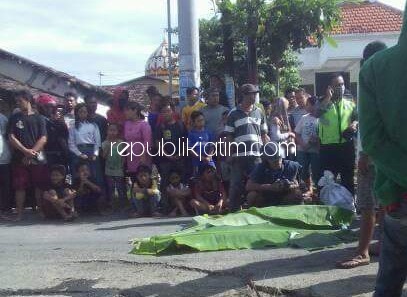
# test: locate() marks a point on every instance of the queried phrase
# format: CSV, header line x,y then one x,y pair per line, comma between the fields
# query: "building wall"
x,y
344,58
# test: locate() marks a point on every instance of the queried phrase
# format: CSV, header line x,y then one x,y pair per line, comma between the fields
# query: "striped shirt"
x,y
247,129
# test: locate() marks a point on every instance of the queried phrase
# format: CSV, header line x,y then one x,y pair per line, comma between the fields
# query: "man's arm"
x,y
384,151
15,143
39,145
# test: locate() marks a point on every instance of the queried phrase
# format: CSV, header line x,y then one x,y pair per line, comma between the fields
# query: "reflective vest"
x,y
335,121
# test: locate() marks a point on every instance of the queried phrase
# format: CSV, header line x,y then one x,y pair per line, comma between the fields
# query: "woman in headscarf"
x,y
116,113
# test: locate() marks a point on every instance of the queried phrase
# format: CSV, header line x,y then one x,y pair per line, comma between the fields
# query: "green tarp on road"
x,y
308,227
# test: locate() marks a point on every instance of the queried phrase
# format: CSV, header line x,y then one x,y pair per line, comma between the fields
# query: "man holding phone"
x,y
337,128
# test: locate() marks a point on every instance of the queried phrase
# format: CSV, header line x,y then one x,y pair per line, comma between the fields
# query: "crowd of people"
x,y
70,161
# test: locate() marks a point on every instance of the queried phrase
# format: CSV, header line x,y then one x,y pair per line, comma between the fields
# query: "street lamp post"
x,y
169,29
189,63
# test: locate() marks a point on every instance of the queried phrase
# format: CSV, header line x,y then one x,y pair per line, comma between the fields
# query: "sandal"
x,y
357,261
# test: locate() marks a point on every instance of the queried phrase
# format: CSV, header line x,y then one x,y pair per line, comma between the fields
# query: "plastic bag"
x,y
334,194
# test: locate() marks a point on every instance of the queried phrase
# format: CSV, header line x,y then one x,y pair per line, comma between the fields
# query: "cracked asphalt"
x,y
90,258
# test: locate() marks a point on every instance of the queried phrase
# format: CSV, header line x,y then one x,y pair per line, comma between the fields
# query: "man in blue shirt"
x,y
274,181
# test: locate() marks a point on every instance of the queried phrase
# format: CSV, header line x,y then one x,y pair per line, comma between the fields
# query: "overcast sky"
x,y
84,37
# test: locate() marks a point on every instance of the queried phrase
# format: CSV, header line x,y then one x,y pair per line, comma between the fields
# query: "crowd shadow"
x,y
69,287
31,219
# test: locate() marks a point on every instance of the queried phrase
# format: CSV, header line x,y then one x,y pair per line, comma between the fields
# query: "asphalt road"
x,y
90,258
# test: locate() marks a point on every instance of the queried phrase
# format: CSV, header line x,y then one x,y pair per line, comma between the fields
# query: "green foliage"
x,y
309,227
280,28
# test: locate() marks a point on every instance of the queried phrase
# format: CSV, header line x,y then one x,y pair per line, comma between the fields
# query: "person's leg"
x,y
165,168
254,199
329,159
199,206
140,205
122,191
393,259
178,201
5,188
153,201
110,186
20,202
236,187
346,157
315,168
39,175
21,183
292,197
366,202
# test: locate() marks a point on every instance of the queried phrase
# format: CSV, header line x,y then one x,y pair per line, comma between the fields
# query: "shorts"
x,y
32,176
365,199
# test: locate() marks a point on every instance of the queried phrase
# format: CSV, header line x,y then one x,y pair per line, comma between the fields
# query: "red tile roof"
x,y
369,17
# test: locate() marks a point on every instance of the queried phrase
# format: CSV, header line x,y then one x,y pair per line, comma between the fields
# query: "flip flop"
x,y
357,261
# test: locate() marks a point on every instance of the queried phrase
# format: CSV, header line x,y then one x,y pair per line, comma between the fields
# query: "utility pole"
x,y
189,64
169,29
100,78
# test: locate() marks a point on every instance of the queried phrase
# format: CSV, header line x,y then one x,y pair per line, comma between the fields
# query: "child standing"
x,y
84,142
88,193
178,193
209,193
146,194
308,145
59,198
198,138
114,166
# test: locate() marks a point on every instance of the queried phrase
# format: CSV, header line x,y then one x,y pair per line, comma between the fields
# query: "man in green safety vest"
x,y
337,130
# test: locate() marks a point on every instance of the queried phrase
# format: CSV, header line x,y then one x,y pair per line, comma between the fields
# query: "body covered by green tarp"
x,y
309,227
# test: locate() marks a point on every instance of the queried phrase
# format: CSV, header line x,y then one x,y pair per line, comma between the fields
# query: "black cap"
x,y
271,151
248,89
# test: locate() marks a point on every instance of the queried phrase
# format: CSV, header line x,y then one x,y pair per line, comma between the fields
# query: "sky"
x,y
83,38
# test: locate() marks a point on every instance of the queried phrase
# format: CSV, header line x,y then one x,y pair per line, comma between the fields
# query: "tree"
x,y
272,28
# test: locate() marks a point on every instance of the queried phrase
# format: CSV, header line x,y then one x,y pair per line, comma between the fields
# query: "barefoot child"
x,y
59,198
114,167
209,193
146,194
89,194
178,193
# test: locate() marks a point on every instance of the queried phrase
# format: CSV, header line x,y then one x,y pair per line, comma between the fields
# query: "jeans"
x,y
308,160
393,258
241,169
118,183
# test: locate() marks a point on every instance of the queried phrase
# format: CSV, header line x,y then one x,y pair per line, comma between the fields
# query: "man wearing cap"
x,y
28,135
247,130
274,181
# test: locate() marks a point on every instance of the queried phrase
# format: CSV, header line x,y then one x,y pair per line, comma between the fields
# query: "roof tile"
x,y
369,17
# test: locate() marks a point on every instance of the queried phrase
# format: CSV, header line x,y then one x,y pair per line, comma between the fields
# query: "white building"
x,y
360,25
